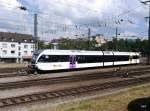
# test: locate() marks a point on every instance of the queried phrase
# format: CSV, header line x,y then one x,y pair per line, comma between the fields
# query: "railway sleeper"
x,y
1,104
33,97
85,89
94,88
61,93
7,102
55,94
42,96
49,95
25,99
82,90
68,92
16,100
73,92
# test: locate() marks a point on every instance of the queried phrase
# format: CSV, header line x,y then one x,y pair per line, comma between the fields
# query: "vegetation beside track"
x,y
114,102
11,65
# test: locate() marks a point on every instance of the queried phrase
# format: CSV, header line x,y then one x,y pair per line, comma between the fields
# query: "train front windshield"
x,y
34,57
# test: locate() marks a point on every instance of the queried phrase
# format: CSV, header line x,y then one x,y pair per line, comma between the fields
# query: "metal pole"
x,y
89,34
148,55
36,31
149,37
116,39
76,38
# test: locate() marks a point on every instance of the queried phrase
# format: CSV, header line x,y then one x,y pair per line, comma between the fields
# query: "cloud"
x,y
10,4
128,35
12,19
53,13
92,11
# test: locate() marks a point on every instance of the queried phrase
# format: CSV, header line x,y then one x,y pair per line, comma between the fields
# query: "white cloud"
x,y
90,11
128,34
3,30
72,12
12,18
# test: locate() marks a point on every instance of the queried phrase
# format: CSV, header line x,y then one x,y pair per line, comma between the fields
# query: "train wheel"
x,y
39,72
30,71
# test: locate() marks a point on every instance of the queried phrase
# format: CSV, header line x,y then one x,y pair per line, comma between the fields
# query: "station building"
x,y
15,47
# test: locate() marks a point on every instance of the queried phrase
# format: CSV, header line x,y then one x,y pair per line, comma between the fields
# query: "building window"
x,y
4,52
19,48
12,52
12,39
4,45
32,52
13,45
25,46
25,40
19,53
4,38
25,52
32,46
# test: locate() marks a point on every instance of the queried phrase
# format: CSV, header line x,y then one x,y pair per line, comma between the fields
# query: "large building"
x,y
100,40
15,47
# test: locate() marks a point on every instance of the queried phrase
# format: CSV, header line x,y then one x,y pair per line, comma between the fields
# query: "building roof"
x,y
16,37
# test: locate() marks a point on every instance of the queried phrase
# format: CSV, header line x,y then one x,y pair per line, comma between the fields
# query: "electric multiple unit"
x,y
47,60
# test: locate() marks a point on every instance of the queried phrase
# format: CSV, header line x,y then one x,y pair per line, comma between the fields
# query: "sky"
x,y
72,18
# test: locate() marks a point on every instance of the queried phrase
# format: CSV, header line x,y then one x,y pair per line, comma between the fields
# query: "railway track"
x,y
22,72
5,75
17,73
67,79
75,91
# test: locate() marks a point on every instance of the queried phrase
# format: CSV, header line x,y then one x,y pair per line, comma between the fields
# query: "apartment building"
x,y
15,47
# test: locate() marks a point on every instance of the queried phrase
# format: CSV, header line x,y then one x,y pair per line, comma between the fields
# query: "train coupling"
x,y
31,69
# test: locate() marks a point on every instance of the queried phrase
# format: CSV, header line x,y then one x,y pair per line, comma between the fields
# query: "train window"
x,y
121,58
53,58
34,57
135,57
108,58
46,56
89,59
80,59
42,59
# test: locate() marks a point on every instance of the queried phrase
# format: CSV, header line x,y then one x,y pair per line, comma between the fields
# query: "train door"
x,y
108,58
130,59
72,60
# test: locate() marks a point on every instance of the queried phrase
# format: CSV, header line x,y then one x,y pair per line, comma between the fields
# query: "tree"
x,y
136,45
42,45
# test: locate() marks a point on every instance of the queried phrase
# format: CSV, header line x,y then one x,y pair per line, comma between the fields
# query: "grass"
x,y
11,65
114,102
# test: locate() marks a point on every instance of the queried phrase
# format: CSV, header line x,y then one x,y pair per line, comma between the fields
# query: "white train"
x,y
48,60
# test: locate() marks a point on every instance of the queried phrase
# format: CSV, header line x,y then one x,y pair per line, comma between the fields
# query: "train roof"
x,y
74,52
83,52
